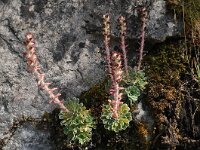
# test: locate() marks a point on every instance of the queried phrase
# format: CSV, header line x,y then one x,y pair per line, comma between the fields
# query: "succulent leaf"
x,y
133,93
78,122
116,124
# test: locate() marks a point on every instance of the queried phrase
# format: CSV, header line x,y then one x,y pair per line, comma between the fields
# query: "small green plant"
x,y
78,122
132,92
134,85
77,119
136,78
115,115
116,124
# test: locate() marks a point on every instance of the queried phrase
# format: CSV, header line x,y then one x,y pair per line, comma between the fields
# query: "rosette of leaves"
x,y
134,85
78,122
119,123
132,92
137,78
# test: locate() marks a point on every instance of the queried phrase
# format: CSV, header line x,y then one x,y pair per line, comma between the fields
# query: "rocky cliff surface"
x,y
69,48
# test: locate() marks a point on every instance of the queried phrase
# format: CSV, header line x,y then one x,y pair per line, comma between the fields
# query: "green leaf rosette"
x,y
116,124
78,122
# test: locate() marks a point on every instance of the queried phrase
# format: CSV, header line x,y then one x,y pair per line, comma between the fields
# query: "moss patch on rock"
x,y
189,12
168,72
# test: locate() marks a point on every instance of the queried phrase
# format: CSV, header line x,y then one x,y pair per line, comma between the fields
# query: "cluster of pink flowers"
x,y
106,33
115,88
33,66
144,22
123,28
113,59
114,64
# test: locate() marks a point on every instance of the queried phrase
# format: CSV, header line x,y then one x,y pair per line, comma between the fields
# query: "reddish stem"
x,y
115,88
33,65
143,19
106,33
122,25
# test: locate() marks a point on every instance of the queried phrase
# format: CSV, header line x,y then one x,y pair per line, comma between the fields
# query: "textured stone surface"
x,y
29,137
69,41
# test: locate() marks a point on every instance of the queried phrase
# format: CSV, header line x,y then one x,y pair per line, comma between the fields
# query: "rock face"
x,y
29,136
69,48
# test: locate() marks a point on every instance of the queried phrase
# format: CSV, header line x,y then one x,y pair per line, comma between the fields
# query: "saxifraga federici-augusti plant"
x,y
34,67
75,117
78,122
115,115
135,84
136,80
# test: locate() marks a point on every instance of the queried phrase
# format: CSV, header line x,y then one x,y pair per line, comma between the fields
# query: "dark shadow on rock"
x,y
63,46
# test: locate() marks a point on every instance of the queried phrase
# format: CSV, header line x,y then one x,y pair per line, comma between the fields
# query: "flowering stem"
x,y
106,33
123,27
143,19
115,88
34,67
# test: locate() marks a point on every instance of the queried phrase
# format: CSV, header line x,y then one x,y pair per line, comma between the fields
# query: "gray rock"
x,y
69,41
29,137
160,24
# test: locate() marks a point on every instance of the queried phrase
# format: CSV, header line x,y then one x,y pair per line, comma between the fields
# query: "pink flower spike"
x,y
52,90
47,84
52,96
142,36
33,66
57,95
41,76
121,88
116,74
62,101
36,68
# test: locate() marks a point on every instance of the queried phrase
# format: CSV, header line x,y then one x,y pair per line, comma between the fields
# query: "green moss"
x,y
189,12
165,66
95,97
